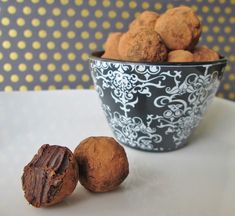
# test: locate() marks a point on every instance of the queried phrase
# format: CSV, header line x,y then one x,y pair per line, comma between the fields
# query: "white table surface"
x,y
198,180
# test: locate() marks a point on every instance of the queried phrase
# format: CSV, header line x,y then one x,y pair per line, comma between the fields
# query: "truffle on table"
x,y
179,27
147,19
201,54
111,46
142,45
51,176
102,162
180,56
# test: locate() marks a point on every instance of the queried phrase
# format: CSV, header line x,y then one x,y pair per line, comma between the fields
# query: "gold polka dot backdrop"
x,y
45,44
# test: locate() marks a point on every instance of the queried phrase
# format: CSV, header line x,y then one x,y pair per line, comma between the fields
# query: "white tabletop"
x,y
198,180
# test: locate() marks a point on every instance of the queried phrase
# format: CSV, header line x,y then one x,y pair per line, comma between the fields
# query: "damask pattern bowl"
x,y
155,106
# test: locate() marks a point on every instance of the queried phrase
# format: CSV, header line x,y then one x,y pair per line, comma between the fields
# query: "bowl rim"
x,y
96,55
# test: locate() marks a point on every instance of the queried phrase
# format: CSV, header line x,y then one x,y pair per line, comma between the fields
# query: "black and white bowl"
x,y
155,106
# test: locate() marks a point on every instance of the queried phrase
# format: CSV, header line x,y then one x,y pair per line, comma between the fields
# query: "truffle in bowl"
x,y
155,106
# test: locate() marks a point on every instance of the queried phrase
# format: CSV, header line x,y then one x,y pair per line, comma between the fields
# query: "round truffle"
x,y
142,45
201,54
50,176
147,19
179,28
111,46
180,56
102,162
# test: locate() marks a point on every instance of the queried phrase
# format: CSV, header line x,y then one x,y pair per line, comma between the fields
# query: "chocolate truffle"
x,y
179,28
180,56
201,54
50,176
147,19
111,46
142,45
102,162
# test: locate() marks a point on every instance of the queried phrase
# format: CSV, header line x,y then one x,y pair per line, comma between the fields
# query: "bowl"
x,y
154,106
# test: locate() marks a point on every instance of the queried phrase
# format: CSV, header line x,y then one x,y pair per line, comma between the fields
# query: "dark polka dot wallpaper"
x,y
45,44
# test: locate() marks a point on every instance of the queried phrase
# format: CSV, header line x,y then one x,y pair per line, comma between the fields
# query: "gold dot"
x,y
106,3
231,95
35,22
204,28
42,11
23,88
169,6
57,56
216,48
145,5
227,48
92,46
35,1
79,67
158,6
50,45
42,33
78,24
71,12
232,20
231,39
43,56
92,87
13,56
119,4
51,67
227,86
12,33
78,2
5,21
1,78
37,88
79,87
8,88
28,56
64,2
232,1
227,29
50,23
64,45
205,9
221,39
29,78
65,67
6,44
85,56
209,39
27,10
194,7
28,33
71,56
92,3
231,77
85,13
112,14
232,58
36,45
58,78
119,25
72,78
85,78
228,68
37,67
20,22
216,9
92,24
14,78
125,15
7,67
21,44
132,4
106,25
43,78
136,14
222,1
49,1
56,34
51,87
78,45
56,11
85,35
221,19
11,10
98,35
64,23
98,13
22,67
71,34
1,56
210,19
216,29
65,87
228,10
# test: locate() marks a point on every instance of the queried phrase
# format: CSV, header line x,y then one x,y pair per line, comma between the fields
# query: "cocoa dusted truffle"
x,y
111,46
102,162
179,28
180,56
147,19
51,176
201,54
142,45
